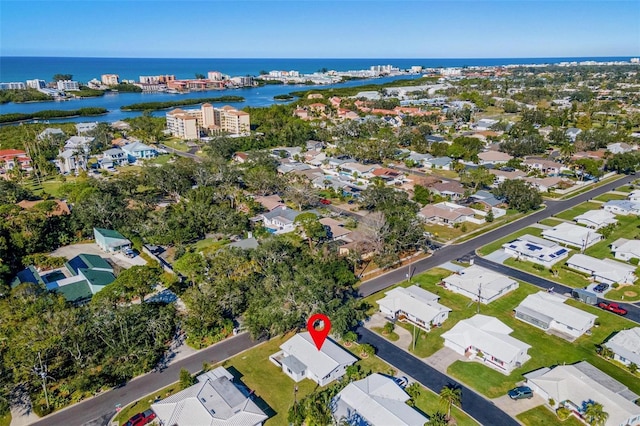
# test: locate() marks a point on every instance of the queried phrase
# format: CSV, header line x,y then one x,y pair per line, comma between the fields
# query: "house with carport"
x,y
478,283
572,235
549,312
486,339
606,271
624,249
414,305
625,346
537,250
596,219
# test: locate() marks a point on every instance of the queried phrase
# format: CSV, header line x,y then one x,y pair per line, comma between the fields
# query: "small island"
x,y
283,97
147,106
51,114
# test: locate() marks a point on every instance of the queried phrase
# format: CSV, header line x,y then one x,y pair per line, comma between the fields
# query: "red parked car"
x,y
141,419
613,307
325,201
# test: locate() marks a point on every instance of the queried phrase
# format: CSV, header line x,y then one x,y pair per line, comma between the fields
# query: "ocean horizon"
x,y
83,69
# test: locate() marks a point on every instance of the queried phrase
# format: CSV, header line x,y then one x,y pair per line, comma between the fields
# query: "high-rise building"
x,y
188,124
36,84
69,85
110,79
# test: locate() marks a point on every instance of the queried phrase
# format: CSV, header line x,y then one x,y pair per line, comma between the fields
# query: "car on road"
x,y
521,392
325,201
600,288
613,307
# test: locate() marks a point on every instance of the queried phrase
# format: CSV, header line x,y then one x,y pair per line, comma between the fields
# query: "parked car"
x,y
521,392
613,307
141,419
129,253
325,201
602,287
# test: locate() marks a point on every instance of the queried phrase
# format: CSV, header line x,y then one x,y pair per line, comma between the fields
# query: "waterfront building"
x,y
188,124
156,79
36,84
110,79
68,85
18,85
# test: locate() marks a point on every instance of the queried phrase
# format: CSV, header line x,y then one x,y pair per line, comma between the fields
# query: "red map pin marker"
x,y
319,327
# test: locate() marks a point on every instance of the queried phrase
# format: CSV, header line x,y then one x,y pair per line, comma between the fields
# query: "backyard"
x,y
578,210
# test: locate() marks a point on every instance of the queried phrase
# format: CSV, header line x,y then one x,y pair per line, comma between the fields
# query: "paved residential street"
x,y
98,410
455,251
633,309
480,408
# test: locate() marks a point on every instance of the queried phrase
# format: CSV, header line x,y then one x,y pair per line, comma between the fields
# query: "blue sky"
x,y
319,29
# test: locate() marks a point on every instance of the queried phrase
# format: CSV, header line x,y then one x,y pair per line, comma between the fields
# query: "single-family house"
x,y
445,213
50,132
606,271
14,159
572,133
493,157
299,358
502,175
549,312
240,157
86,127
216,399
451,189
280,220
376,400
110,241
138,150
537,250
487,339
418,158
625,346
442,163
624,249
486,198
269,202
596,219
357,170
619,148
545,166
572,235
435,139
476,282
387,174
622,207
335,230
78,143
70,160
544,184
485,124
575,386
415,305
113,157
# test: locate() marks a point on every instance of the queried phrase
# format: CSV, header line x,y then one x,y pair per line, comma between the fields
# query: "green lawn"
x,y
209,245
626,188
5,420
177,144
446,233
511,216
428,402
609,196
565,275
546,350
627,293
578,210
144,403
542,416
393,336
490,248
550,221
627,228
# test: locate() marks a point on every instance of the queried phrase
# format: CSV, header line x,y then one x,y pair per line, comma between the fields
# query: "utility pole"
x,y
479,296
42,373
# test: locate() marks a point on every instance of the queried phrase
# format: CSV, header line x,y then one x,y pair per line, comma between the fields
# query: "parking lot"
x,y
92,248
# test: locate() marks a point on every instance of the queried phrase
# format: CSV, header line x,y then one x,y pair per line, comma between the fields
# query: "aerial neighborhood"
x,y
475,226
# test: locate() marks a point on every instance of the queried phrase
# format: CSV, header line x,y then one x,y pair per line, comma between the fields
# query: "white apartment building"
x,y
36,84
18,85
68,85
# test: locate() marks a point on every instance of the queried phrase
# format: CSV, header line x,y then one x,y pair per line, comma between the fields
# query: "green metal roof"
x,y
73,292
100,278
109,233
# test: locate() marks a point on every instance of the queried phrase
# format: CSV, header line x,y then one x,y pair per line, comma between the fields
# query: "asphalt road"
x,y
483,410
191,154
455,251
633,310
98,410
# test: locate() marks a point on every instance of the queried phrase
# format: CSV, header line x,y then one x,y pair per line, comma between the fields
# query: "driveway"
x,y
92,248
442,359
379,320
513,408
498,256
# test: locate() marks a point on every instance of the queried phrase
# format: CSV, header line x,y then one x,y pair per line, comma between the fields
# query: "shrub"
x,y
389,327
186,379
563,413
615,285
538,267
634,261
552,402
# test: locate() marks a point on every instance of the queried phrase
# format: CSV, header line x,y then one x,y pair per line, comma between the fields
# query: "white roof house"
x,y
476,280
572,235
626,346
575,385
300,358
549,312
634,196
78,142
214,401
622,207
596,219
419,306
487,339
603,270
536,250
624,249
377,401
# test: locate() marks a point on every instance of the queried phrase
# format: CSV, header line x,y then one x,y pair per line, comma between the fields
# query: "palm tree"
x,y
450,395
438,419
595,414
567,149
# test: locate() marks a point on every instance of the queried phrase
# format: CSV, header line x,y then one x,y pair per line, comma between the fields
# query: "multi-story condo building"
x,y
36,84
156,79
188,124
68,85
17,85
110,79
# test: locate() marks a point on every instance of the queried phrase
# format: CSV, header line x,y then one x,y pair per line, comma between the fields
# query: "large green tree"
x,y
520,195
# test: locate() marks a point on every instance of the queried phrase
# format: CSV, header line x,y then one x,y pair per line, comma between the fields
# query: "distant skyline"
x,y
320,29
